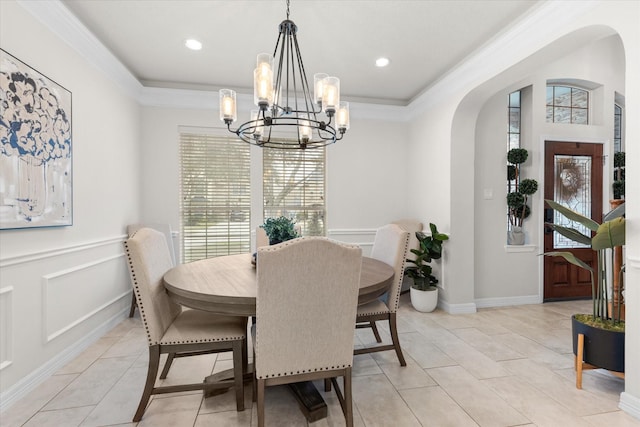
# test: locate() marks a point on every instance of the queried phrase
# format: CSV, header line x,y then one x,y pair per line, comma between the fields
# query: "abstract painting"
x,y
35,148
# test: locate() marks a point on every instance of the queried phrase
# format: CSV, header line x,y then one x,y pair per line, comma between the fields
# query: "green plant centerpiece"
x,y
603,329
519,192
279,229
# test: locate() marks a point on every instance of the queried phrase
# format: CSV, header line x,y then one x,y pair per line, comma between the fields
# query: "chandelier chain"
x,y
287,9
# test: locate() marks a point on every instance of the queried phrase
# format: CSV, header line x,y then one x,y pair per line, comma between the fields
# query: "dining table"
x,y
227,285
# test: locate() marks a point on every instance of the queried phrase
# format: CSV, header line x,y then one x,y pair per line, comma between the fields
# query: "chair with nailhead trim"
x,y
173,330
412,226
306,311
391,245
166,230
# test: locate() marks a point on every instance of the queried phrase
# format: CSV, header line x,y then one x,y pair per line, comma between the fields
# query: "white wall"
x,y
60,286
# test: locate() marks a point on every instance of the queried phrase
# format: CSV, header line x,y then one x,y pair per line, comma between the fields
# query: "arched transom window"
x,y
567,104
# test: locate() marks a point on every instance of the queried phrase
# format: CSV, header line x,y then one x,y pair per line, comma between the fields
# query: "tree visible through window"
x,y
294,186
215,196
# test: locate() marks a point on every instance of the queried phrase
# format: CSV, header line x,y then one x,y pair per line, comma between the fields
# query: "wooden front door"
x,y
573,178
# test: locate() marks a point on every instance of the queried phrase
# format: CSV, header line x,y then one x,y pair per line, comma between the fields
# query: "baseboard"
x,y
630,404
507,301
466,308
34,379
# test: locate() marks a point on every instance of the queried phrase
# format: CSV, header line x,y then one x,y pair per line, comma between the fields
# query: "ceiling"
x,y
424,39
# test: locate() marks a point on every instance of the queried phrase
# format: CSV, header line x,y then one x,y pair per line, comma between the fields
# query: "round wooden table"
x,y
227,284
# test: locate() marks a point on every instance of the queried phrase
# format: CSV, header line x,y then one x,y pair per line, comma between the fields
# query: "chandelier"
x,y
289,116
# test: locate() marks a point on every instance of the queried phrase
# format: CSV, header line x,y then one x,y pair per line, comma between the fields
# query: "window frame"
x,y
221,226
551,118
306,204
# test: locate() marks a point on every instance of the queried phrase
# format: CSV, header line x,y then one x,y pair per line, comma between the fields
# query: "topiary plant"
x,y
517,199
618,175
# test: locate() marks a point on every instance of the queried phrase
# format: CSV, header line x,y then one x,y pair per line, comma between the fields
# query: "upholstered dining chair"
x,y
173,330
306,311
390,246
410,225
166,230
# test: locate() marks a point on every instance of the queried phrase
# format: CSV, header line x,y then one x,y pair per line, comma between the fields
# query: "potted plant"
x,y
618,175
424,292
279,229
517,199
603,330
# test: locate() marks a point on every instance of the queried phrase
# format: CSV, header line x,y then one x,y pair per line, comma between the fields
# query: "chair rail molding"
x,y
64,250
633,262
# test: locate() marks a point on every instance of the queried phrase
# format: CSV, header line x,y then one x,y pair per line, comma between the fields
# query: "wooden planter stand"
x,y
580,365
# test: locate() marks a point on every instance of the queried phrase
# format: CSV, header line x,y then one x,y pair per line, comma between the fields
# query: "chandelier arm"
x,y
277,94
291,76
306,92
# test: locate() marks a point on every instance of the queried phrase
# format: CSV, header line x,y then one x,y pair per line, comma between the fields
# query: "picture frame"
x,y
36,179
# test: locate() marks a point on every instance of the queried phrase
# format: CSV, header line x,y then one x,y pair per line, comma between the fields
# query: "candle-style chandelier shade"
x,y
289,116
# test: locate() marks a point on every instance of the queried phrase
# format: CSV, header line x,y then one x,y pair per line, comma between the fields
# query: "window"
x,y
293,185
514,121
215,187
567,105
617,128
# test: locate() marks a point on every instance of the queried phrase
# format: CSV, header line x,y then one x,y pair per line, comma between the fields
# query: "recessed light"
x,y
193,44
382,62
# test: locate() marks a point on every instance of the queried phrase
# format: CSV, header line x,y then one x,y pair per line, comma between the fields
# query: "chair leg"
x,y
152,371
238,373
374,328
254,391
394,338
260,393
134,304
167,365
327,384
348,404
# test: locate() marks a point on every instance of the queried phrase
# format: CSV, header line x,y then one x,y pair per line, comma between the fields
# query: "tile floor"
x,y
507,366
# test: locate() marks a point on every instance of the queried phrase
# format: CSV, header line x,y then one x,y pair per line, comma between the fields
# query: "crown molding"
x,y
59,20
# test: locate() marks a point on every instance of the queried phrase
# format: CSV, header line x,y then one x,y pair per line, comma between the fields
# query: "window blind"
x,y
215,196
294,186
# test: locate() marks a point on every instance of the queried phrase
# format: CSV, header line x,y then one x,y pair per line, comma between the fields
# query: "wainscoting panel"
x,y
6,327
361,237
90,283
54,303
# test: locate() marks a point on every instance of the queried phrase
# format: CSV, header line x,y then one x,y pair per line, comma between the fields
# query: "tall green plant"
x,y
609,234
430,249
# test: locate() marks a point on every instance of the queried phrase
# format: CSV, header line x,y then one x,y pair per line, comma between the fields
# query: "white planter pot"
x,y
515,236
424,301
